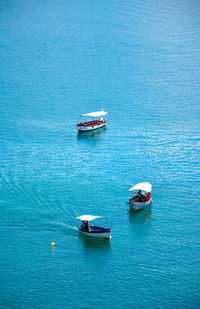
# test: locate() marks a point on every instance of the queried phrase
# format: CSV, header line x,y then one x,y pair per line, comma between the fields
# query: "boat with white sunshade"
x,y
93,230
94,124
142,196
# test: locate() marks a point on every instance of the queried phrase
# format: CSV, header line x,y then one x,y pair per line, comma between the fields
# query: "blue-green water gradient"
x,y
139,60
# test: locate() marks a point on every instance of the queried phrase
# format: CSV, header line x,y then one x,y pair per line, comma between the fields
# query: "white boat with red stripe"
x,y
97,123
142,196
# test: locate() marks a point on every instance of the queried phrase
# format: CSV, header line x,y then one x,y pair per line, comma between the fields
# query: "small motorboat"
x,y
142,196
94,124
93,230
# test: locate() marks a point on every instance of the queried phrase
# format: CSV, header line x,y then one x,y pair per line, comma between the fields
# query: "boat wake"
x,y
63,228
31,208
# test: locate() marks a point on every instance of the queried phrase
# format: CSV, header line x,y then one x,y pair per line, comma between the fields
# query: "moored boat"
x,y
94,124
142,196
93,230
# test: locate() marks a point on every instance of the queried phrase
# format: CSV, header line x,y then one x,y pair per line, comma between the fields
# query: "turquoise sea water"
x,y
139,60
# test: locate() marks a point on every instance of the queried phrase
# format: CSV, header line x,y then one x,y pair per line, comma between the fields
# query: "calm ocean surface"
x,y
140,61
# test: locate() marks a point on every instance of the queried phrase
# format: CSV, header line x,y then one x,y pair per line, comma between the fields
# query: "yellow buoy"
x,y
53,244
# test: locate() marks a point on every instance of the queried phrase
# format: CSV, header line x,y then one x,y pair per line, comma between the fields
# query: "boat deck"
x,y
91,123
95,229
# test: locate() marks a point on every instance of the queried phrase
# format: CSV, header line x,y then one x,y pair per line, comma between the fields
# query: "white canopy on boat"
x,y
88,217
146,186
96,114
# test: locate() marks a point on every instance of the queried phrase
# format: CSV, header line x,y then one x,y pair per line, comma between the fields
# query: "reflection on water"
x,y
141,216
94,243
91,134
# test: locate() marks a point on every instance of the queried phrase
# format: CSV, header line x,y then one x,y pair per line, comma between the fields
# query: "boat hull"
x,y
139,206
97,233
86,128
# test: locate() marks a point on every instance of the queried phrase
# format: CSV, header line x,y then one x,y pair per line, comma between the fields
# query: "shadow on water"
x,y
94,243
140,216
91,134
